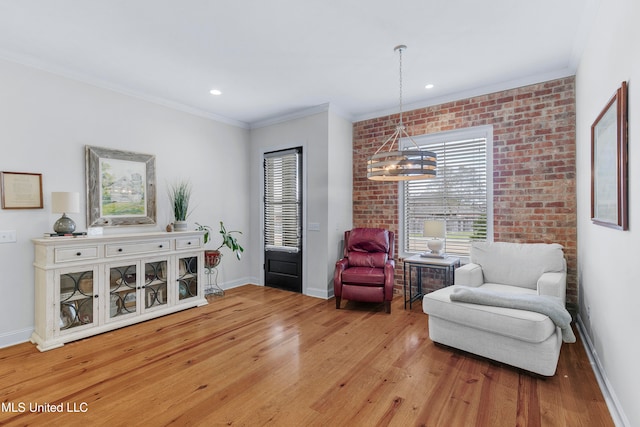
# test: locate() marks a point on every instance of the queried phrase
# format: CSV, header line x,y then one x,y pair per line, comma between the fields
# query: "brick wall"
x,y
534,194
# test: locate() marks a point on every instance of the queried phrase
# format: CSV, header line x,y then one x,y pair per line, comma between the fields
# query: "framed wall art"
x,y
21,190
609,185
121,187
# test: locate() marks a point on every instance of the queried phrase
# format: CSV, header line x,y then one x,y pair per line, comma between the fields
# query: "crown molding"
x,y
301,113
297,114
484,90
35,63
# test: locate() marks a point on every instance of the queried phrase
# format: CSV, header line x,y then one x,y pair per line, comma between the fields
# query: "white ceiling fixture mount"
x,y
400,165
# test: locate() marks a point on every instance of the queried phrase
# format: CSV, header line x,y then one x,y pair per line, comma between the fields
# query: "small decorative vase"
x,y
180,226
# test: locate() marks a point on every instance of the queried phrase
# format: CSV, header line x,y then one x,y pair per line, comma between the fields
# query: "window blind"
x,y
282,201
457,195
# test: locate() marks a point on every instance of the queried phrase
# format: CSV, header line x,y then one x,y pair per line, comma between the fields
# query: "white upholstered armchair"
x,y
524,338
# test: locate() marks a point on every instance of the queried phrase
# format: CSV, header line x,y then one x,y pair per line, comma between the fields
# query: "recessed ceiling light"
x,y
429,86
215,92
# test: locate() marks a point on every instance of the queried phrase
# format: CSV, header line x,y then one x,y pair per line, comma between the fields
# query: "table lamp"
x,y
434,229
65,202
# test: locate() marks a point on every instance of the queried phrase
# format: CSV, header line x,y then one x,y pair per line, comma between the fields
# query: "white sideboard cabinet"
x,y
89,285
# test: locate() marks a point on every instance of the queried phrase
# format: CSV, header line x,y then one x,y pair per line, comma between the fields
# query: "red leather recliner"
x,y
366,271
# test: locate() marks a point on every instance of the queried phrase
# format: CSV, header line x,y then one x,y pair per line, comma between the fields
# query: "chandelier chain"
x,y
400,79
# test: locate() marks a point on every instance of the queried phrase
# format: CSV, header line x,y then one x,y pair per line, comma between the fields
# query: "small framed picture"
x,y
21,190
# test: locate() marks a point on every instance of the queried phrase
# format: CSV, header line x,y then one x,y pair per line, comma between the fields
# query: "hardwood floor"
x,y
261,356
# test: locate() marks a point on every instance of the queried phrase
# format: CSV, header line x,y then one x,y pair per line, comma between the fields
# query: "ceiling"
x,y
273,58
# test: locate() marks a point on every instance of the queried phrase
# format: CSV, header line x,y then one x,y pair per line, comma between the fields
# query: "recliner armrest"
x,y
554,284
389,278
469,275
342,263
389,267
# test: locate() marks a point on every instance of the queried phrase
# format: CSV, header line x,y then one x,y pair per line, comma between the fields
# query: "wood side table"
x,y
448,264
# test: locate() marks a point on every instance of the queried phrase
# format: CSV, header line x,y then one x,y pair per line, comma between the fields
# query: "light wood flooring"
x,y
259,356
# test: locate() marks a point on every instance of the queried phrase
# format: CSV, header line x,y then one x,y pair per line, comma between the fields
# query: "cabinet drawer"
x,y
192,243
137,248
75,254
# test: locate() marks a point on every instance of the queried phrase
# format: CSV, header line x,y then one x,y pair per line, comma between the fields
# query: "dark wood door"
x,y
283,219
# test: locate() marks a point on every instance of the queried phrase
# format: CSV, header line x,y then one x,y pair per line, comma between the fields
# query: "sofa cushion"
x,y
517,264
519,324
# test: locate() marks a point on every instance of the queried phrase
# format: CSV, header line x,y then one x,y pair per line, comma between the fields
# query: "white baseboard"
x,y
15,337
615,409
314,292
319,293
236,283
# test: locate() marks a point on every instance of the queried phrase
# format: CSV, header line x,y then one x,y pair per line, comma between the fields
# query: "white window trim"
x,y
485,131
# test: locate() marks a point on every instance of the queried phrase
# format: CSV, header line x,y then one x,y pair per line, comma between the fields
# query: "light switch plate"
x,y
7,236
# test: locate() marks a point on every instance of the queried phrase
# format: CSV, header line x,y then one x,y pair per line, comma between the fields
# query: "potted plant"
x,y
179,195
212,257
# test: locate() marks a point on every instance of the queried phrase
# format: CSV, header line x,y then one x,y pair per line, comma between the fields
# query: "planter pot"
x,y
180,226
212,258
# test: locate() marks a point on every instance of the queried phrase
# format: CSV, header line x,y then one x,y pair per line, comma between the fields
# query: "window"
x,y
460,194
282,200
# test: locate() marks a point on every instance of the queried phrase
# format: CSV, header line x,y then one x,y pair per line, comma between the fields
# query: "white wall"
x,y
340,191
321,135
609,290
45,122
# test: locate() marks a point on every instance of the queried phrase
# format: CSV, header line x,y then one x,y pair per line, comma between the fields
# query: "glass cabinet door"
x,y
123,290
77,296
155,284
187,277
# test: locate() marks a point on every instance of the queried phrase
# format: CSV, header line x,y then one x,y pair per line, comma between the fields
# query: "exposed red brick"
x,y
534,164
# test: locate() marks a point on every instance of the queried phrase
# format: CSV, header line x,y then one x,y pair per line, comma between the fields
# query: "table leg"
x,y
404,284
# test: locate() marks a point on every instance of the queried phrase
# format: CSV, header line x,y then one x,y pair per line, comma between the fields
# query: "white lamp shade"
x,y
65,202
434,228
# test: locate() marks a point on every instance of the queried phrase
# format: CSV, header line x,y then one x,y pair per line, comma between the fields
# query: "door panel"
x,y
283,270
